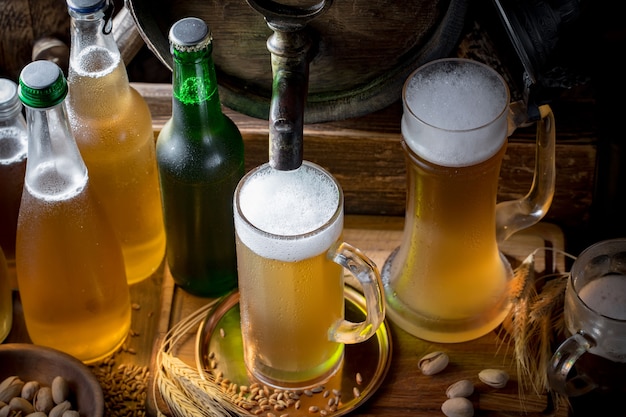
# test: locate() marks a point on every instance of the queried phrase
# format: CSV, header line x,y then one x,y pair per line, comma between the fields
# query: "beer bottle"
x,y
200,157
13,152
113,129
70,267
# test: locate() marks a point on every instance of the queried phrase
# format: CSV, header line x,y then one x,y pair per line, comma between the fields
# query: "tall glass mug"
x,y
448,281
290,259
593,359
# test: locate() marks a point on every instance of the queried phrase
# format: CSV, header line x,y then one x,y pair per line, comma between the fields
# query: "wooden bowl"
x,y
30,362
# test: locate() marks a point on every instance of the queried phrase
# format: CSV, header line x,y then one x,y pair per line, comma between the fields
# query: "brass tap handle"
x,y
290,47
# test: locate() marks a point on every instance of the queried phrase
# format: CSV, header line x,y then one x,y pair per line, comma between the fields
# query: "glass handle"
x,y
366,272
562,363
515,215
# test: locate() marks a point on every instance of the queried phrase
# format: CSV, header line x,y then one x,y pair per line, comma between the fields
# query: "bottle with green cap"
x,y
200,156
13,153
113,129
70,267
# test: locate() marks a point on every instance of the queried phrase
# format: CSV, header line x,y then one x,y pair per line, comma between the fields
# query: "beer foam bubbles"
x,y
95,61
455,112
288,215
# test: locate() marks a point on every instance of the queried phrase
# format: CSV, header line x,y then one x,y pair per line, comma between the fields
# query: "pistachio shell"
x,y
43,400
29,390
458,407
433,363
462,388
59,409
495,378
21,405
60,390
10,387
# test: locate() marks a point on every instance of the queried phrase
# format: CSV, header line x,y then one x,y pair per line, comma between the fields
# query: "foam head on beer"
x,y
285,210
455,112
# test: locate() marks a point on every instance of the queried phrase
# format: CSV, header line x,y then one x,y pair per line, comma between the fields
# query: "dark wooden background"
x,y
364,153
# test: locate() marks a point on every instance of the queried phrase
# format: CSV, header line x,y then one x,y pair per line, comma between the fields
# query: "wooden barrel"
x,y
364,49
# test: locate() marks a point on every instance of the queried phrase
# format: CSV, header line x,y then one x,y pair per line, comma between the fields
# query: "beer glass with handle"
x,y
448,281
290,256
590,364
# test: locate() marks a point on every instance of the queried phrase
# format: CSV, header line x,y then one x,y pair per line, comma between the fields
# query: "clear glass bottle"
x,y
70,267
13,153
200,155
113,129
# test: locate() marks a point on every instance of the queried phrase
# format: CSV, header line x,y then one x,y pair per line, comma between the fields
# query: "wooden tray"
x,y
405,390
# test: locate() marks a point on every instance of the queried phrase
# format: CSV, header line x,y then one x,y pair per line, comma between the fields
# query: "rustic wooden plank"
x,y
16,37
365,155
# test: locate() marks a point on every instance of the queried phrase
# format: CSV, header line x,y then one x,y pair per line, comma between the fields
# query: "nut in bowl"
x,y
52,379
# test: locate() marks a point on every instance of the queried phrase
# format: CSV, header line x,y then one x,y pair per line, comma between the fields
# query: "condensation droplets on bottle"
x,y
200,156
70,267
113,129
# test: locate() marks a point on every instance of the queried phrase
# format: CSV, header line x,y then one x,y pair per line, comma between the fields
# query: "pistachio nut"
x,y
59,409
43,400
19,404
462,388
495,378
458,407
29,390
10,387
433,363
60,389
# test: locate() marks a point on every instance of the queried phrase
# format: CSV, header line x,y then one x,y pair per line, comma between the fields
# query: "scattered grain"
x,y
359,378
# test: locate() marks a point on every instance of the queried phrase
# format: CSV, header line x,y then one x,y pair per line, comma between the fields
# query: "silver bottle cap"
x,y
10,104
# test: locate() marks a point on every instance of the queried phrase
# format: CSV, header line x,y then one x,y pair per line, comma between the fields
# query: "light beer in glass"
x,y
448,281
289,253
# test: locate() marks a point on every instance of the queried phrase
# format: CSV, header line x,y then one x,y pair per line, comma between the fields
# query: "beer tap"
x,y
533,29
291,50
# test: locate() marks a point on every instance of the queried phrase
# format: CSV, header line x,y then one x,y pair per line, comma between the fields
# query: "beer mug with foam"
x,y
593,357
291,260
448,280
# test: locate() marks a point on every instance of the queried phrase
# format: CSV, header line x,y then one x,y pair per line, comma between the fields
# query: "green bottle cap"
x,y
42,85
10,105
189,35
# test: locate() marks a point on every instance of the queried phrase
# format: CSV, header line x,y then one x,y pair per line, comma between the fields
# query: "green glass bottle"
x,y
200,156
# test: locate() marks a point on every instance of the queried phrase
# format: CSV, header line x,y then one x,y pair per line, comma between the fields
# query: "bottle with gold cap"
x,y
113,129
70,267
201,159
